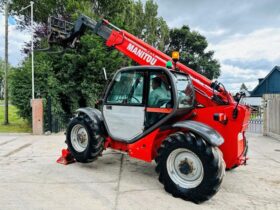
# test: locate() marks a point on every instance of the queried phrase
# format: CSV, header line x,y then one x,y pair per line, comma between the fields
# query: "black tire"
x,y
95,143
212,163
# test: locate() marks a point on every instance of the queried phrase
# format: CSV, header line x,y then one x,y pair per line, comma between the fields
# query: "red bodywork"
x,y
233,131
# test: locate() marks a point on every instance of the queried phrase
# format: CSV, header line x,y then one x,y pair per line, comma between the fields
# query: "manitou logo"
x,y
142,54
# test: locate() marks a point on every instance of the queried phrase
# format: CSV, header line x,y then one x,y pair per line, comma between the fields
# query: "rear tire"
x,y
84,139
189,167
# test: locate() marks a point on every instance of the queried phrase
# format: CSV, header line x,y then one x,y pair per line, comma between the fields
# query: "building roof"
x,y
270,84
247,92
252,101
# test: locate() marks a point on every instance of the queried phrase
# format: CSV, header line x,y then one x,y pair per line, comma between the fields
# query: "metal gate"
x,y
54,121
256,121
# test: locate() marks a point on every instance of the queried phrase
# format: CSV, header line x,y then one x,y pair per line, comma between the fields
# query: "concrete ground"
x,y
31,179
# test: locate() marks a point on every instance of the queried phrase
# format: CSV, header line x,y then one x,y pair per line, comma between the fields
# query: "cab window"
x,y
127,89
159,97
159,90
185,91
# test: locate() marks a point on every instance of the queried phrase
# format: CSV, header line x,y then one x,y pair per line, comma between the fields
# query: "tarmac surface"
x,y
31,179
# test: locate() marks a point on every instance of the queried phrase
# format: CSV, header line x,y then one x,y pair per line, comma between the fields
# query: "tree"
x,y
155,30
192,47
138,19
80,72
46,84
40,11
74,78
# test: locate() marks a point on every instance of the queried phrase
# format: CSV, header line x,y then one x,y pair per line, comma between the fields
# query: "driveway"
x,y
31,179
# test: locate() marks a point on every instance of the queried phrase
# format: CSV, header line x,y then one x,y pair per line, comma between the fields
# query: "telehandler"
x,y
192,127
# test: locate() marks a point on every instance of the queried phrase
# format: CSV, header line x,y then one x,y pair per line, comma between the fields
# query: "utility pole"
x,y
32,49
37,104
31,5
6,114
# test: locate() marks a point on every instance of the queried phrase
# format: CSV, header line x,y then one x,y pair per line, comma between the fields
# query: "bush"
x,y
21,85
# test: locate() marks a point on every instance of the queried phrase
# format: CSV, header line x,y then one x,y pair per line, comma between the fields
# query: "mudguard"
x,y
94,114
206,132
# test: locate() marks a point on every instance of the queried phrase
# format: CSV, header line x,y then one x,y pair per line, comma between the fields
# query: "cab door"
x,y
124,106
159,101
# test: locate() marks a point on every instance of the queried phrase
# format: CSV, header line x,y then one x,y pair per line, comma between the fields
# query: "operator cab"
x,y
140,99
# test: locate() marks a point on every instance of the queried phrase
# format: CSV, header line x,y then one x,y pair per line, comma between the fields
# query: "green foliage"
x,y
41,9
80,74
46,84
1,78
192,47
16,123
75,78
2,64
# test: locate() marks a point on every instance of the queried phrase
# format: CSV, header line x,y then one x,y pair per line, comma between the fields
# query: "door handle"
x,y
108,107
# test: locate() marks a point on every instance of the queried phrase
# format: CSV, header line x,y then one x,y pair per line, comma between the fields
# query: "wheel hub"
x,y
79,138
185,168
82,137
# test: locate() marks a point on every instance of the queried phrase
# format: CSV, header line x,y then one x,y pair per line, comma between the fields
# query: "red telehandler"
x,y
192,127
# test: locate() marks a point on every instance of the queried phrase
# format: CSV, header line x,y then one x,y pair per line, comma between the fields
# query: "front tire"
x,y
189,167
84,139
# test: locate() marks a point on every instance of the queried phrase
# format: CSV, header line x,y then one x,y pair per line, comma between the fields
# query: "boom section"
x,y
66,34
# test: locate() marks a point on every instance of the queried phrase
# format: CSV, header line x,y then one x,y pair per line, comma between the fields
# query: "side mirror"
x,y
105,74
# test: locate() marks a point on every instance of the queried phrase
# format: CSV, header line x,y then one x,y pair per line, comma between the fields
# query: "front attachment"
x,y
58,31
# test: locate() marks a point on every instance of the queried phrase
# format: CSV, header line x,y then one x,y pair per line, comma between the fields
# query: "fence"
x,y
54,121
256,120
272,115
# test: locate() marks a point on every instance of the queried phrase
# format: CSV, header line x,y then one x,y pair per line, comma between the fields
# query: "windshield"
x,y
185,91
127,88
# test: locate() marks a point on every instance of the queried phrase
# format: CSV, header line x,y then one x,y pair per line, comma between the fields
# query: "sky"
x,y
245,35
16,40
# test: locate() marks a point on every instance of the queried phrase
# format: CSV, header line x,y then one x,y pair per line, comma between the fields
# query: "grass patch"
x,y
16,123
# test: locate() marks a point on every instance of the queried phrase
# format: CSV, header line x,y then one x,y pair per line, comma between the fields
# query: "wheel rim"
x,y
79,138
185,168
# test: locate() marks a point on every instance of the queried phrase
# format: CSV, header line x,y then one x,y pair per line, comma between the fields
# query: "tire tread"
x,y
214,168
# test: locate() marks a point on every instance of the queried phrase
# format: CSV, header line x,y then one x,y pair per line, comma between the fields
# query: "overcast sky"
x,y
245,35
16,41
